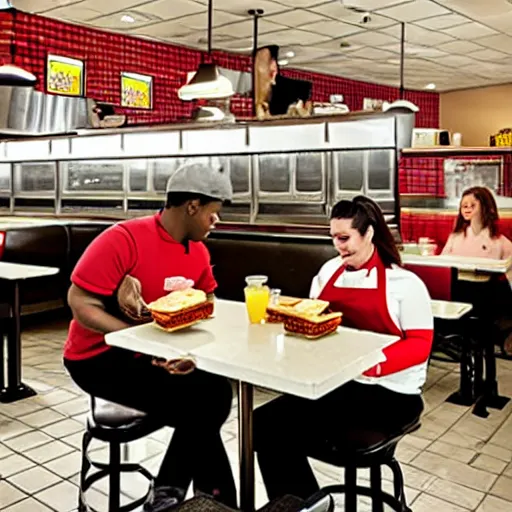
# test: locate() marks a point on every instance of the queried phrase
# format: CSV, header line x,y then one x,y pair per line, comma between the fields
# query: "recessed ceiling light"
x,y
282,62
289,55
126,18
431,87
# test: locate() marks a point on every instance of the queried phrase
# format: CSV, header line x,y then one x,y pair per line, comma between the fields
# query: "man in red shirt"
x,y
152,249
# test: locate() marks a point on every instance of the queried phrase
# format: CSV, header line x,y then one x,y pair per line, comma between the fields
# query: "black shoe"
x,y
163,498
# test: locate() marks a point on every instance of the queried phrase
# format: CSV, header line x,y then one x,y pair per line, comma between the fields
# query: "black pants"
x,y
491,300
196,405
289,429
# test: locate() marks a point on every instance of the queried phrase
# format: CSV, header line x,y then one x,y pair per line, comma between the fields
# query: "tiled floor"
x,y
456,462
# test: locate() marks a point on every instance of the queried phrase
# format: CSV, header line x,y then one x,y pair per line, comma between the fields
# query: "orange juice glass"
x,y
257,296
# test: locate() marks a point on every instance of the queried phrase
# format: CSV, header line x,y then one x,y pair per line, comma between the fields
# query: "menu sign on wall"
x,y
136,90
372,104
65,76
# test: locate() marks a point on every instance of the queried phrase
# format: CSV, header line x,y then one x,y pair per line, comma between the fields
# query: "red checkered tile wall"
x,y
107,54
424,174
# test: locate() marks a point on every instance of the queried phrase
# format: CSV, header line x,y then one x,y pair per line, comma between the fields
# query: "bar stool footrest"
x,y
360,490
104,471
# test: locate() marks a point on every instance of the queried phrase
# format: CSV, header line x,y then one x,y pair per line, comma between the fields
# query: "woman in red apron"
x,y
367,284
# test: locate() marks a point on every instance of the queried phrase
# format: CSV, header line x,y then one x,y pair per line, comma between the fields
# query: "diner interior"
x,y
407,102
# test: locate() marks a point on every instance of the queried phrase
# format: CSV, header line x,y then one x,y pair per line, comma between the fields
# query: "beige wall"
x,y
477,113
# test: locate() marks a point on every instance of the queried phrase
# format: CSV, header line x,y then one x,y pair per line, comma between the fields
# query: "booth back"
x,y
289,262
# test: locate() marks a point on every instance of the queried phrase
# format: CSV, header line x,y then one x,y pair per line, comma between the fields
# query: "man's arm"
x,y
97,276
88,309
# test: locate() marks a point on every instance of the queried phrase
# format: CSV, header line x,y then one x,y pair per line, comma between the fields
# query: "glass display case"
x,y
291,172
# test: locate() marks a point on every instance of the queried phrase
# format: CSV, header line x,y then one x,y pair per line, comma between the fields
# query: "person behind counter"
x,y
476,234
368,285
148,250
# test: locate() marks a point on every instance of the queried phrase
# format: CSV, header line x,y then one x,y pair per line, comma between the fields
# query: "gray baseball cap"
x,y
202,177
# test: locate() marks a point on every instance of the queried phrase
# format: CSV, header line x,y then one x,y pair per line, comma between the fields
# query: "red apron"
x,y
363,308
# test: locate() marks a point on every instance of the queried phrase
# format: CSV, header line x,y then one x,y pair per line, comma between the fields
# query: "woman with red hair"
x,y
476,234
476,231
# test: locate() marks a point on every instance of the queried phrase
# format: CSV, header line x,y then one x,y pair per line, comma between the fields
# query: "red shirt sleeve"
x,y
410,351
206,281
105,262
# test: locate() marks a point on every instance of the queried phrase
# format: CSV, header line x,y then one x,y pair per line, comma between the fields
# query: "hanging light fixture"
x,y
10,74
207,82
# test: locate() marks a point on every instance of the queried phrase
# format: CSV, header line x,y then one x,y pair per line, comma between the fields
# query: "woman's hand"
x,y
182,366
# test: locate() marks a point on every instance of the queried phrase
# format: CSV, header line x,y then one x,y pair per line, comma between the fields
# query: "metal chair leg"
x,y
350,489
85,466
376,487
114,491
398,483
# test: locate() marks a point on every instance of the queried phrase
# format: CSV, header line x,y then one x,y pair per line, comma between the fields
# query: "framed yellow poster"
x,y
136,90
65,76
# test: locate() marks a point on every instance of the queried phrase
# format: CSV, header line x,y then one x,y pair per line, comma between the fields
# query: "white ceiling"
x,y
453,43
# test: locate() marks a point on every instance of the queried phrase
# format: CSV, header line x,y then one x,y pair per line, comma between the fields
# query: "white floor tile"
x,y
494,504
63,428
48,452
503,488
426,503
28,441
10,428
56,397
14,464
10,494
488,463
66,466
4,451
34,480
17,409
454,471
74,440
42,418
73,407
455,494
28,505
62,497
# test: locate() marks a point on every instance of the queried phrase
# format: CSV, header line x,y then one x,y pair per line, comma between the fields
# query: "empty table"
x,y
12,274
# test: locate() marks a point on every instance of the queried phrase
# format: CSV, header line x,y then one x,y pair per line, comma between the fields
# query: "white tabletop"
x,y
17,271
447,310
262,354
459,262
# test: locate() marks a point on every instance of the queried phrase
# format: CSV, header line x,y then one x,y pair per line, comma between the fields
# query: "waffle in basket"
x,y
306,318
180,309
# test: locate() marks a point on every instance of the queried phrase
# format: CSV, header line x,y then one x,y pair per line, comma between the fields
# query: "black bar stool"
x,y
115,425
321,502
368,449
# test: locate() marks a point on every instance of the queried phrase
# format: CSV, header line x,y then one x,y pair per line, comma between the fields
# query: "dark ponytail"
x,y
364,213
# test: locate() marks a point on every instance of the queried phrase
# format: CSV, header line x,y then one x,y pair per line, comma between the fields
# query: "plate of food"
x,y
307,318
180,309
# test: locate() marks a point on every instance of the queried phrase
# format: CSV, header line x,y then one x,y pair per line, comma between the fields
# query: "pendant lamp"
x,y
207,82
10,74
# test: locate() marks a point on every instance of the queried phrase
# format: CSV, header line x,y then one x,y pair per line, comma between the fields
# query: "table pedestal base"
x,y
459,398
15,393
245,413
